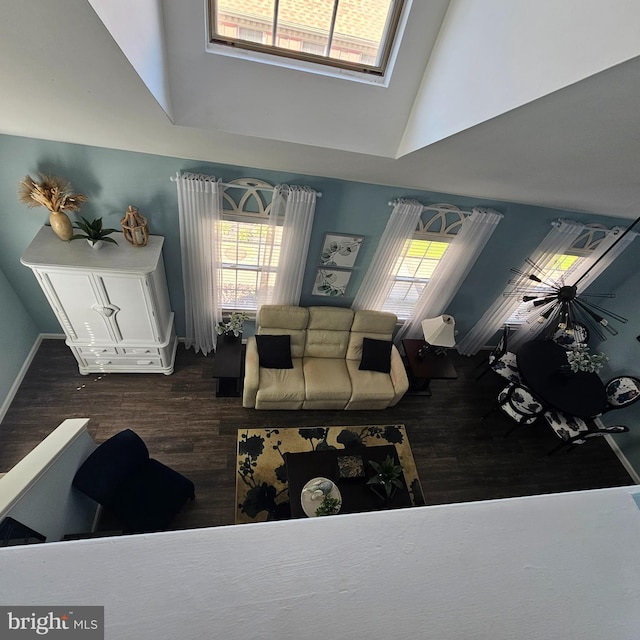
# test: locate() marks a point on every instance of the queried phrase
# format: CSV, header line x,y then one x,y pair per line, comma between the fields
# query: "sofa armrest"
x,y
251,374
398,375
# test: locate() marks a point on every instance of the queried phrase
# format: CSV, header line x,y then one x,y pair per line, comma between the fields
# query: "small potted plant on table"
x,y
232,328
330,506
386,480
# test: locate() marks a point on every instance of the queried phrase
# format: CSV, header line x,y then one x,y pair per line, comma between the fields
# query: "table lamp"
x,y
438,332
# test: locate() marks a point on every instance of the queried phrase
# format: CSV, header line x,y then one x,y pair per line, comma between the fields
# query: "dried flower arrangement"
x,y
54,194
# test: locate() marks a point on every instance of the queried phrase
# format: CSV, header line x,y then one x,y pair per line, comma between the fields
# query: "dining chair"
x,y
570,338
574,431
621,392
503,362
519,404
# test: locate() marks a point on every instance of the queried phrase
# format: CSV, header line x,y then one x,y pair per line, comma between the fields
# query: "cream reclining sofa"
x,y
326,350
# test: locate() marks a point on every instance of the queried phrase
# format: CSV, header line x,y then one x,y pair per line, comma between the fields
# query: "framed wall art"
x,y
331,282
339,250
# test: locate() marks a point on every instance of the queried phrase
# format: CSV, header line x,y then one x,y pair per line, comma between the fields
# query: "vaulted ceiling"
x,y
531,101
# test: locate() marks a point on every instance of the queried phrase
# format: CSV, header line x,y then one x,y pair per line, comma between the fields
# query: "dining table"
x,y
544,369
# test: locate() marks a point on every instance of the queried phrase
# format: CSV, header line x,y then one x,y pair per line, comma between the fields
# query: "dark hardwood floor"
x,y
459,457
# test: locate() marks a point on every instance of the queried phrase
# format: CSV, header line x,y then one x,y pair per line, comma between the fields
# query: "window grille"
x,y
348,34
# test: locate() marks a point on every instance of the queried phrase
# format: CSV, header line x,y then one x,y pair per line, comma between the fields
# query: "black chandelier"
x,y
560,306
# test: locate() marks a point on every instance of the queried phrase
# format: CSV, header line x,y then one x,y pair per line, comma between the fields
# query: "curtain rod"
x,y
227,185
434,207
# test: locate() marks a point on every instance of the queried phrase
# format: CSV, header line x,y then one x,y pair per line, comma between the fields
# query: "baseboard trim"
x,y
616,449
22,373
623,459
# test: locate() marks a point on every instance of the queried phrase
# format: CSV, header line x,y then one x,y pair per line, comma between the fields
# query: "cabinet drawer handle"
x,y
107,310
145,361
103,361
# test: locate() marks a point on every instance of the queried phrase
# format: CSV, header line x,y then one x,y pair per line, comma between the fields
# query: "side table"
x,y
227,368
422,370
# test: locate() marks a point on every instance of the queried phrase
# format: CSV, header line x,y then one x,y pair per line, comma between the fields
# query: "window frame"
x,y
244,201
301,59
442,226
246,218
428,236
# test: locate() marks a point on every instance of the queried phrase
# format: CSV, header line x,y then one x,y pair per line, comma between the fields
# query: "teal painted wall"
x,y
624,349
114,179
18,334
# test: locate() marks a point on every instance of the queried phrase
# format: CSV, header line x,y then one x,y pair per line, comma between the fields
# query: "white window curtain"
x,y
595,264
378,280
295,207
562,235
453,268
200,212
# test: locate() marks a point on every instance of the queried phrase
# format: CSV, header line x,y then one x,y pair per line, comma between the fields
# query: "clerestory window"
x,y
348,34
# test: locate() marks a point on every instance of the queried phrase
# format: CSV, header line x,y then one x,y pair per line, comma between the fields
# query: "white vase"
x,y
95,245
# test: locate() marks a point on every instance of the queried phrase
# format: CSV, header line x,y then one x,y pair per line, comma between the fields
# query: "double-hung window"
x,y
412,270
247,243
244,244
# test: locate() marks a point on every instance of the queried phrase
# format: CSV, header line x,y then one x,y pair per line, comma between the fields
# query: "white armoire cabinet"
x,y
112,302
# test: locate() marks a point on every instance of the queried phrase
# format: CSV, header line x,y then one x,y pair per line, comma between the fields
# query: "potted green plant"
x,y
580,359
386,479
329,506
232,328
94,233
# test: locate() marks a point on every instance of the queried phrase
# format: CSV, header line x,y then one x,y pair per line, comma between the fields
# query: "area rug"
x,y
261,482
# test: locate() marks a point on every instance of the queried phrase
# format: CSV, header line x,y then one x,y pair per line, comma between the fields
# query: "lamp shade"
x,y
440,331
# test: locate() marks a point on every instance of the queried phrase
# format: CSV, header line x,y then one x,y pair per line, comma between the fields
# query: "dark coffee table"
x,y
357,496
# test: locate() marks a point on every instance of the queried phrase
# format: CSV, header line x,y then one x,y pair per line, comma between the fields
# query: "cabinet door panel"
x,y
134,320
77,299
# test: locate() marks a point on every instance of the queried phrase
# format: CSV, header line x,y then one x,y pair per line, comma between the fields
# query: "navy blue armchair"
x,y
142,492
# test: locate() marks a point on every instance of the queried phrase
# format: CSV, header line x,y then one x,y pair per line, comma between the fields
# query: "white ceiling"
x,y
576,147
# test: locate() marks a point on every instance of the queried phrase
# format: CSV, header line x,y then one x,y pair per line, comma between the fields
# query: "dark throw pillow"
x,y
274,352
376,355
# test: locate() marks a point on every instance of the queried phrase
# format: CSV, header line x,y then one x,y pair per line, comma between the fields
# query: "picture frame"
x,y
340,250
331,282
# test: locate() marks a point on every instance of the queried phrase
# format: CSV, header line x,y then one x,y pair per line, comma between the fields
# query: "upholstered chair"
x,y
141,492
503,362
574,431
570,338
621,392
519,403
